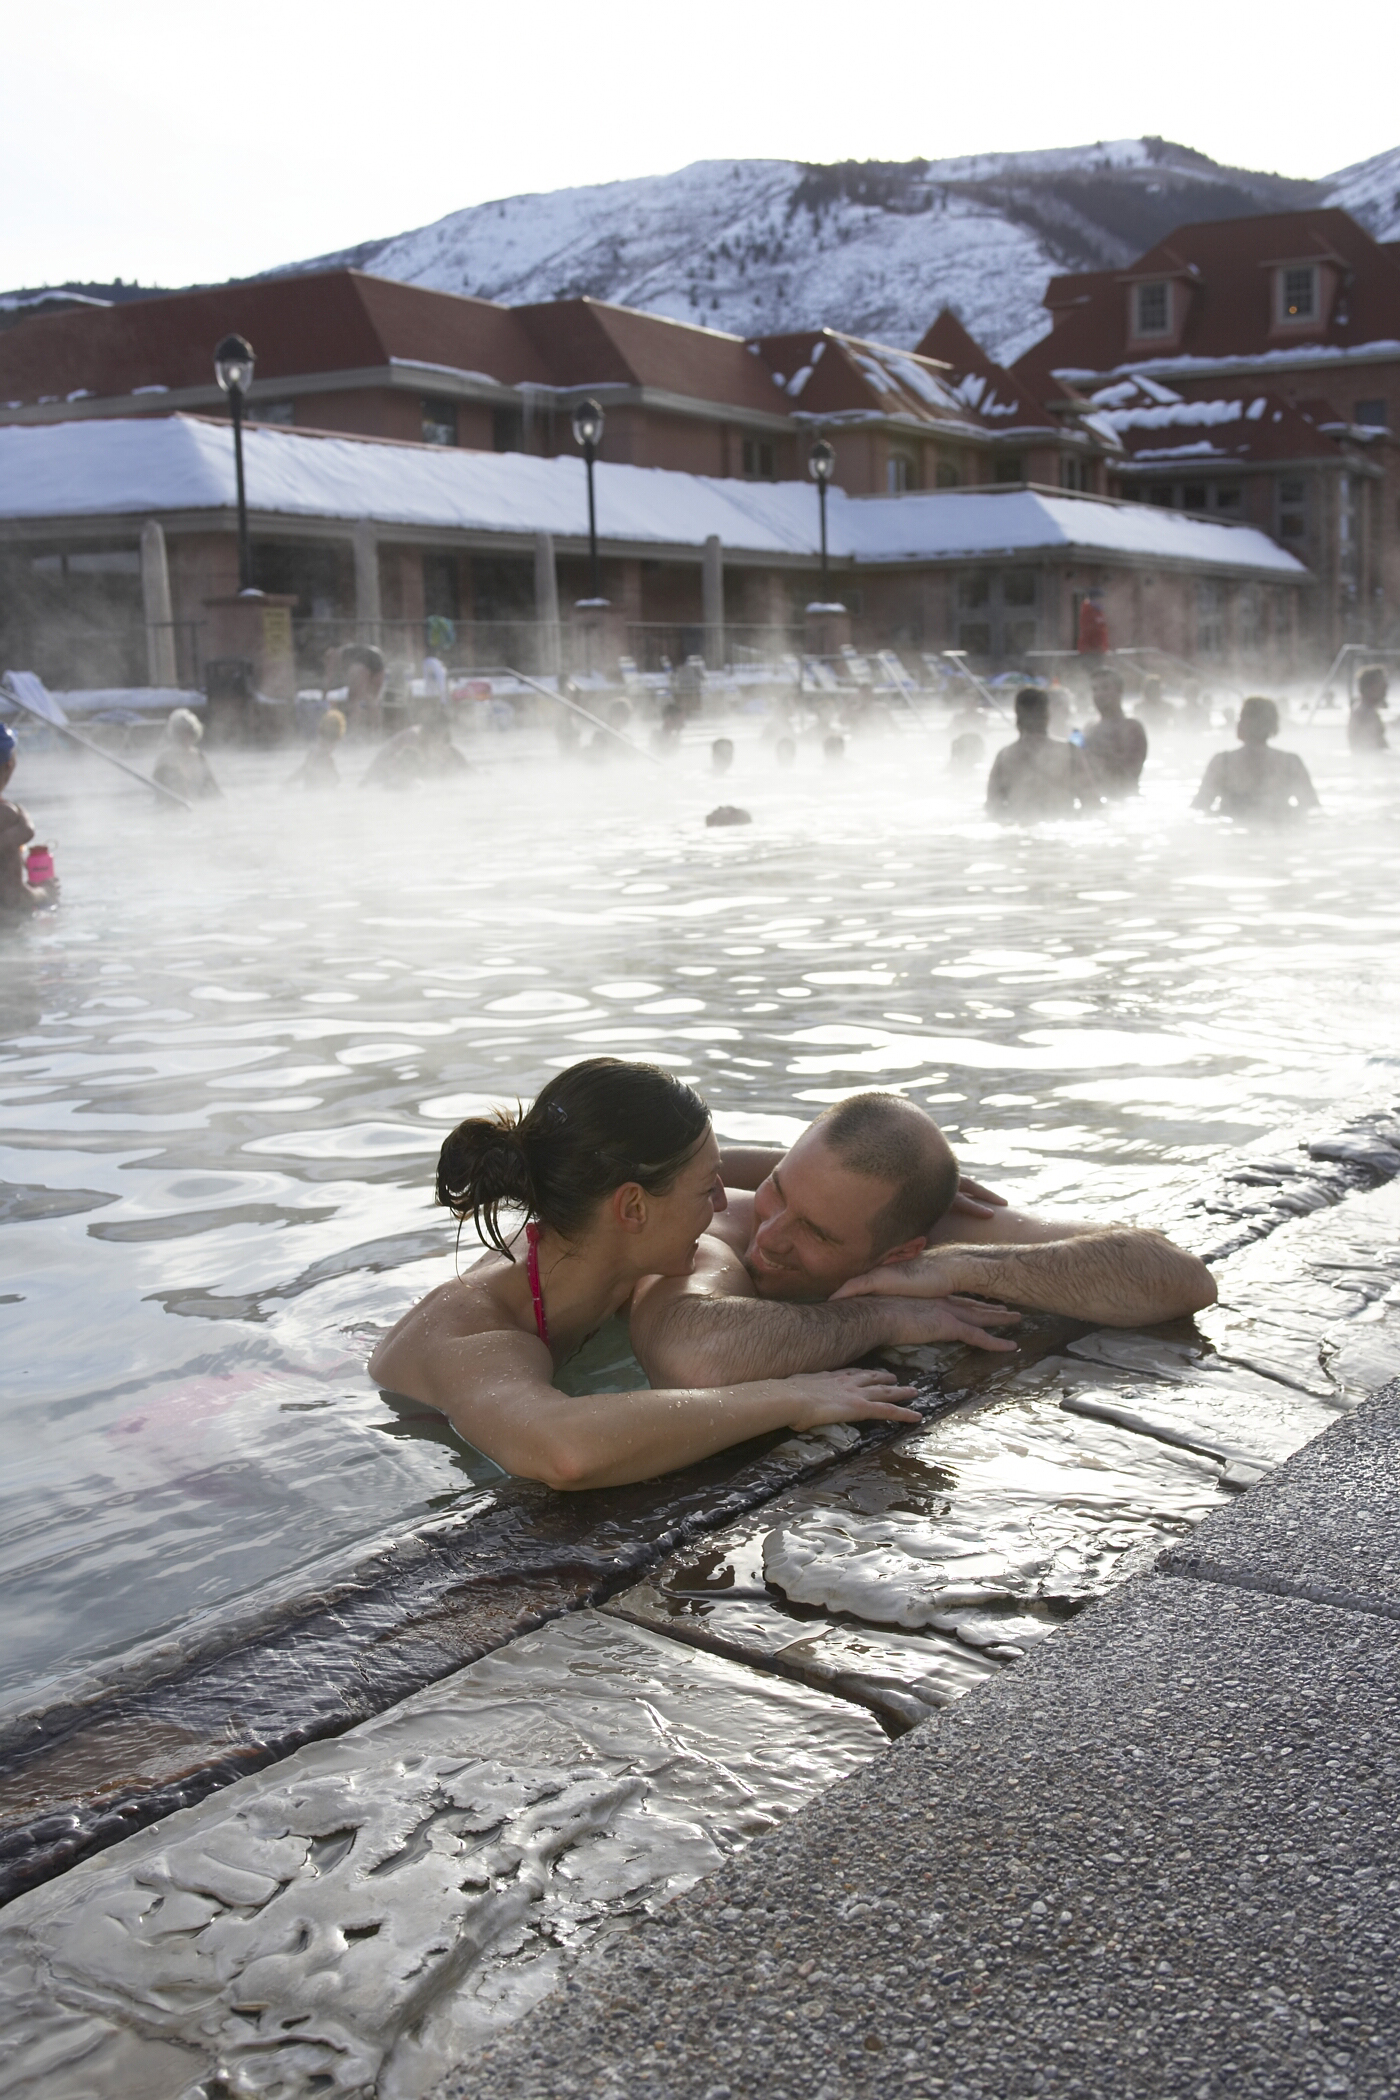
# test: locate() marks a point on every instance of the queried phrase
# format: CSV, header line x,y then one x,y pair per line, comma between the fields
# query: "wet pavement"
x,y
1158,1858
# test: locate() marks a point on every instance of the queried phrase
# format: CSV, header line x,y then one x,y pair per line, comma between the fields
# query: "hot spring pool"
x,y
229,1061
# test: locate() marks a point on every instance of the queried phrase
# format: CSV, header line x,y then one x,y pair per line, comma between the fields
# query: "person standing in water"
x,y
1038,776
616,1171
421,753
1365,729
18,896
1254,784
318,769
1116,744
180,763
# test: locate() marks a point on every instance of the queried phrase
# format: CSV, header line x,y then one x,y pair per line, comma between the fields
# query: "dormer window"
x,y
1297,292
1152,309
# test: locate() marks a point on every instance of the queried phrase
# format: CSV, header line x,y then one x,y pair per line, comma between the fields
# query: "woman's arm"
x,y
495,1388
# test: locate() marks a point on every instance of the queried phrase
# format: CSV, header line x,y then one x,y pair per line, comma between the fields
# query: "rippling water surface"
x,y
226,1067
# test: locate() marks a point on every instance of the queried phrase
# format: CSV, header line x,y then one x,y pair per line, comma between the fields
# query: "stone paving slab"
x,y
365,1914
1158,1858
1325,1526
910,1574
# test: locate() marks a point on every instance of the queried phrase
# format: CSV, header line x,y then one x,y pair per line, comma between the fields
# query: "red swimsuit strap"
x,y
532,1270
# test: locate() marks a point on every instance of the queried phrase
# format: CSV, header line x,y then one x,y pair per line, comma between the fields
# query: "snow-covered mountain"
x,y
1370,191
877,248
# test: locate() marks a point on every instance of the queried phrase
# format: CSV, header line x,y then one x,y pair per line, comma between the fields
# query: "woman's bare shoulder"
x,y
474,1304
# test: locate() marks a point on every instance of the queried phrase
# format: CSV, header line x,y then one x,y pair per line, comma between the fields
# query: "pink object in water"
x,y
38,866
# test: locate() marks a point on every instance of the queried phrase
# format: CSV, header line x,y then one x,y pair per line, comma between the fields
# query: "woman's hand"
x,y
973,1201
847,1396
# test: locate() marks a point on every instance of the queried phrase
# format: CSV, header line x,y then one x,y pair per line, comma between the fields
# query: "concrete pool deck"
x,y
1159,1857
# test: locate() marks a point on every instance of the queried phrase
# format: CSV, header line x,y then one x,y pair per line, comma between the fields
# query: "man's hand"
x,y
937,1273
819,1397
973,1201
913,1321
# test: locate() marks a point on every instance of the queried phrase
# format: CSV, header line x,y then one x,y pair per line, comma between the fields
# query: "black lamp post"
x,y
588,433
821,465
233,368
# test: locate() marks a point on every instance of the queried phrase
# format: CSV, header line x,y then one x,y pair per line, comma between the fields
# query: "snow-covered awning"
x,y
138,467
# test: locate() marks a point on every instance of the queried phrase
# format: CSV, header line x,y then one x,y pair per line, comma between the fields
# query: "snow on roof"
x,y
139,467
1191,367
1022,520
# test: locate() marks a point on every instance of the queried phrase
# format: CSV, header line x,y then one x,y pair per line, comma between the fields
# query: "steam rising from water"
x,y
228,1064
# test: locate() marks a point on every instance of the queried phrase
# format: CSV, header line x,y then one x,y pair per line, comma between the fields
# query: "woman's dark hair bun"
x,y
590,1129
483,1165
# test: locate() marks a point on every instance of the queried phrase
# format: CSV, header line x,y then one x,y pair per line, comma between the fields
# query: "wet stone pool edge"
x,y
1152,1860
77,1779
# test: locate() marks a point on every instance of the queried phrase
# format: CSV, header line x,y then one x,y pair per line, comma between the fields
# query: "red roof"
x,y
821,373
1000,401
1225,266
1158,427
337,320
586,342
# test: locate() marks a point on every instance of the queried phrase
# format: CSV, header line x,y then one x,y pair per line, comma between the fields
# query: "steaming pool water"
x,y
229,1061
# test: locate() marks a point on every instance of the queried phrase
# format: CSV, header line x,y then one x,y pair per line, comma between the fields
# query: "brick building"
x,y
118,552
343,351
1250,369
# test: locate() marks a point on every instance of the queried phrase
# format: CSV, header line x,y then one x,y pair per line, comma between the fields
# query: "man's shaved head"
x,y
892,1140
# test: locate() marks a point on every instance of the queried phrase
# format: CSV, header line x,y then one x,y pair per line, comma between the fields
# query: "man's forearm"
x,y
1120,1277
719,1341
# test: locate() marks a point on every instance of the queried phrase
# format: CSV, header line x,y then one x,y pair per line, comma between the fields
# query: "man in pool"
x,y
861,1236
1039,776
1252,784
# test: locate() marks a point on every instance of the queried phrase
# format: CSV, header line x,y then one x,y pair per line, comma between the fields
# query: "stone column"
x,y
546,607
712,602
155,597
369,611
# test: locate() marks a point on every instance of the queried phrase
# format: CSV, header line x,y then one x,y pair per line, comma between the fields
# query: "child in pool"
x,y
16,831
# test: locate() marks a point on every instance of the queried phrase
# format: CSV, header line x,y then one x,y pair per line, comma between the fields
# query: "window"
x,y
899,473
1229,498
1152,314
1297,292
976,637
973,591
1210,616
948,475
1161,495
1193,496
758,459
439,422
1292,510
1076,474
1010,467
1373,414
282,412
1018,587
507,430
442,595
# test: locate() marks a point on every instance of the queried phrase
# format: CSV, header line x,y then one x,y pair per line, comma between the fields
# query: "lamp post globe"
x,y
233,364
821,462
588,425
233,368
588,435
821,465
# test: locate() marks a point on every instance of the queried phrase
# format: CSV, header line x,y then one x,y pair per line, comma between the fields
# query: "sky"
x,y
171,144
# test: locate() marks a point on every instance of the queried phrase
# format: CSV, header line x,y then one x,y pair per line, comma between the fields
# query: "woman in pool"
x,y
617,1171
